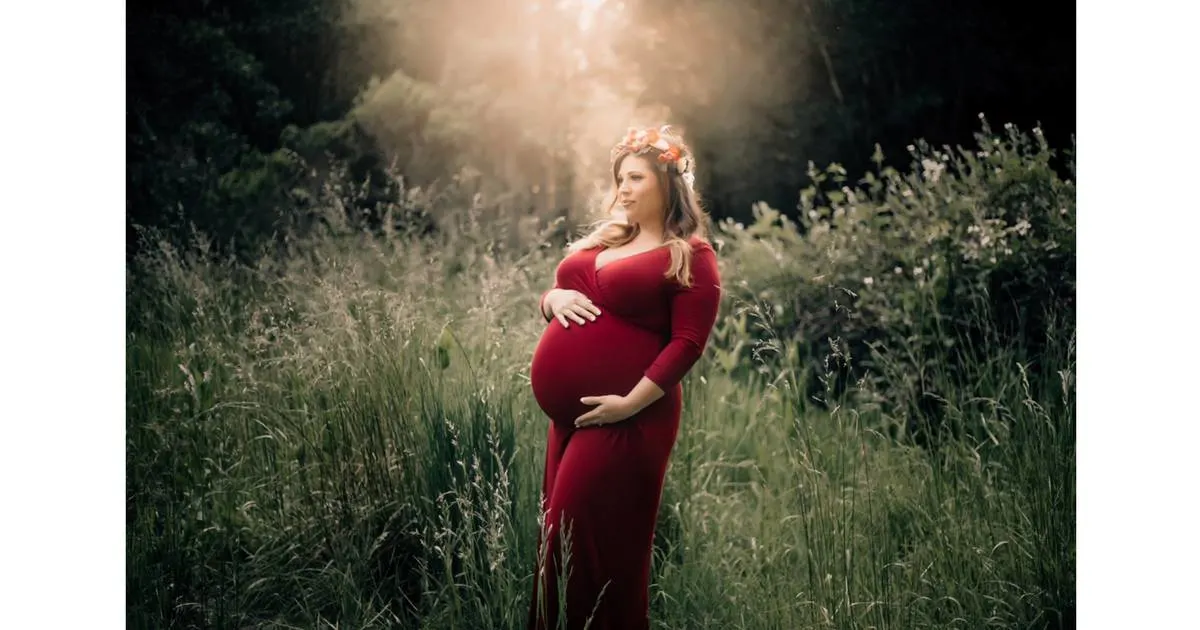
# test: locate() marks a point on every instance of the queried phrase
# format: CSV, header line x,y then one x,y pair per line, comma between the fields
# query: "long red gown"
x,y
603,484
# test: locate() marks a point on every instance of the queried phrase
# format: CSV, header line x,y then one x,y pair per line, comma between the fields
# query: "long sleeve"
x,y
693,313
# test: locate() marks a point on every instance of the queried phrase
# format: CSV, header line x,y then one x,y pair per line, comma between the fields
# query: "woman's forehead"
x,y
634,163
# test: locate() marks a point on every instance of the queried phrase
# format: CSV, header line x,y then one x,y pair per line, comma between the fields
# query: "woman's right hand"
x,y
569,303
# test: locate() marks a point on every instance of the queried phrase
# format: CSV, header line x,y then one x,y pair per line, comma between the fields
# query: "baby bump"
x,y
607,356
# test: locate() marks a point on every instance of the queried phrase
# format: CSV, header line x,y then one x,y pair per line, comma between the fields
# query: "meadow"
x,y
881,434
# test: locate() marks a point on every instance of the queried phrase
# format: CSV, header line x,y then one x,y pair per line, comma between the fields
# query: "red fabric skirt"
x,y
602,485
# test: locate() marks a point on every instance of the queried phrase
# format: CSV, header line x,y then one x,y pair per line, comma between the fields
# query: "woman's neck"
x,y
650,235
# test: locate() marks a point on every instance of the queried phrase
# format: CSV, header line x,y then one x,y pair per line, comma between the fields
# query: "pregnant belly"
x,y
607,356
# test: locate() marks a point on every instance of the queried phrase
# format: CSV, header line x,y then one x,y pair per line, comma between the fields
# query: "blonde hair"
x,y
685,216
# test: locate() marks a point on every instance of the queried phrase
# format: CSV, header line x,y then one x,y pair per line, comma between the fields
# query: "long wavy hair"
x,y
685,215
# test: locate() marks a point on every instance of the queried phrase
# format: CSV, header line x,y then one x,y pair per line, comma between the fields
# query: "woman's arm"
x,y
642,395
693,313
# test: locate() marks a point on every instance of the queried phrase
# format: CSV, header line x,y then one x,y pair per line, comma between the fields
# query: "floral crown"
x,y
640,141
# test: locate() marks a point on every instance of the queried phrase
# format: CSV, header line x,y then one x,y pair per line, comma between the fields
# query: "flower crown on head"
x,y
640,141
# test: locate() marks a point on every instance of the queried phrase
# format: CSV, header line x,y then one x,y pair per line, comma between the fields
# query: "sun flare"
x,y
587,12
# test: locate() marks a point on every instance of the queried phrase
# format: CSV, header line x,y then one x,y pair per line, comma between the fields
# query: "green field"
x,y
344,436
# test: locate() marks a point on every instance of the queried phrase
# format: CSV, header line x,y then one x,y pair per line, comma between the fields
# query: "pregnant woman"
x,y
630,313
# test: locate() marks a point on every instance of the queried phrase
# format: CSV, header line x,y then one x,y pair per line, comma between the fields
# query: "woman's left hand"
x,y
611,409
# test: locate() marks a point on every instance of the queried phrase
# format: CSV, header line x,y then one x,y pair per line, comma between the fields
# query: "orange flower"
x,y
670,155
639,141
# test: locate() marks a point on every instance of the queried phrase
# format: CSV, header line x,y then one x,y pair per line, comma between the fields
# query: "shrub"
x,y
907,279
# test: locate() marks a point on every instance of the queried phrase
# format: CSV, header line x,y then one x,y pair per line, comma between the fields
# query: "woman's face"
x,y
638,191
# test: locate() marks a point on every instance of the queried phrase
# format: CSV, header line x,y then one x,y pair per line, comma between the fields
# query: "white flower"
x,y
868,281
898,270
918,271
932,170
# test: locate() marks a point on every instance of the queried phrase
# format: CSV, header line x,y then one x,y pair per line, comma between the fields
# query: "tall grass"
x,y
346,438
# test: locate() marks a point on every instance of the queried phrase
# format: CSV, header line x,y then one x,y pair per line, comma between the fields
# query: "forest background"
x,y
236,109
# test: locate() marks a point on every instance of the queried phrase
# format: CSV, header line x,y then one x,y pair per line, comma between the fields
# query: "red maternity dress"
x,y
603,484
